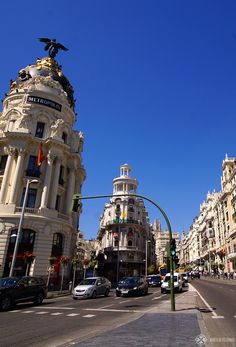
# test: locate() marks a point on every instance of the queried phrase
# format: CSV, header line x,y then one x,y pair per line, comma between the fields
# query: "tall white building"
x,y
125,234
39,109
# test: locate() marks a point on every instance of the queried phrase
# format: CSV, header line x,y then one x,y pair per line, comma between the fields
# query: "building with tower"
x,y
125,233
39,147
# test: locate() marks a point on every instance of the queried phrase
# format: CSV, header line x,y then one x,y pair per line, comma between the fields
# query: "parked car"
x,y
14,290
185,276
91,287
154,280
178,283
132,286
195,274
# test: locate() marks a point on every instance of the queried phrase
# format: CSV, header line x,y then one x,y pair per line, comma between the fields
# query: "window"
x,y
3,162
57,245
58,200
130,243
39,130
61,181
64,137
31,198
33,169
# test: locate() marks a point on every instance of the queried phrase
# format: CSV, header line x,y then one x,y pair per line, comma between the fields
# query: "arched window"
x,y
57,245
26,245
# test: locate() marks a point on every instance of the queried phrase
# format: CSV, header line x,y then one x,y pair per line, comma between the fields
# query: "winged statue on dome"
x,y
52,46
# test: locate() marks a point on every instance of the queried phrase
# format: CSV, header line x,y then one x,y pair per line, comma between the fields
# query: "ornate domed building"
x,y
125,235
41,161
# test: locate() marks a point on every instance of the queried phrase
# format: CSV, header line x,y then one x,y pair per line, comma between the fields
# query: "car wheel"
x,y
117,294
38,299
94,295
5,303
107,292
74,298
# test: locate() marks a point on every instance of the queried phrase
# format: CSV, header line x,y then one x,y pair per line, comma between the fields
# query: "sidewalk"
x,y
56,294
159,327
217,280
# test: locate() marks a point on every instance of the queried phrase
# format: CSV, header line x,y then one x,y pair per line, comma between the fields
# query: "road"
x,y
61,320
220,315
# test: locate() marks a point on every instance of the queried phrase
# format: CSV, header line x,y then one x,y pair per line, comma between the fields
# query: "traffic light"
x,y
76,203
172,248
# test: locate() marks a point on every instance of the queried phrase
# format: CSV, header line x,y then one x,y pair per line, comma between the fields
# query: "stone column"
x,y
11,153
55,183
17,176
70,189
47,181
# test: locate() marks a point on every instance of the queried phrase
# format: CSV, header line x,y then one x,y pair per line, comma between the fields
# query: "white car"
x,y
178,283
91,287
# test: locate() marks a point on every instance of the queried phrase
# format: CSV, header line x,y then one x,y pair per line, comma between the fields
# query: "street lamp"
x,y
20,225
146,257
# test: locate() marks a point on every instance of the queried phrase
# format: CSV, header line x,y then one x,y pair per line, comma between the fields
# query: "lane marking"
x,y
43,312
56,313
27,311
106,306
158,297
138,298
72,314
15,311
234,316
57,308
111,310
89,315
121,302
206,303
216,317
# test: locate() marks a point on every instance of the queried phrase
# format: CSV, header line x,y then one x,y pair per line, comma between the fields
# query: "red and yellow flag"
x,y
41,156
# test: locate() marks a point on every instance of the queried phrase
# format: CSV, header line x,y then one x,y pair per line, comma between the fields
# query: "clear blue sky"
x,y
155,83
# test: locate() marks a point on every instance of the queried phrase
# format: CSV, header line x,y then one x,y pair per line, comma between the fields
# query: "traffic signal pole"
x,y
76,204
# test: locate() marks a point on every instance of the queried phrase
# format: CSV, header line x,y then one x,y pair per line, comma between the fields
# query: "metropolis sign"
x,y
44,102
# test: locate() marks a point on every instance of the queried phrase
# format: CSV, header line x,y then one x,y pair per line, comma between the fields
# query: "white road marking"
x,y
138,298
122,302
15,311
158,297
216,317
57,308
27,311
206,303
56,314
106,306
111,310
89,316
72,314
234,316
42,312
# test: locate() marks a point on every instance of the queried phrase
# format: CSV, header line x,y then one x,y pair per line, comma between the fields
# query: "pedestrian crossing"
x,y
48,313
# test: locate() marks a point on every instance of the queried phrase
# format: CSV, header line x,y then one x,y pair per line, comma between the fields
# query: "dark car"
x,y
14,290
132,286
154,280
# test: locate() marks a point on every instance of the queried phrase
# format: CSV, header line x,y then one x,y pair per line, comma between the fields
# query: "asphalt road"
x,y
220,315
60,321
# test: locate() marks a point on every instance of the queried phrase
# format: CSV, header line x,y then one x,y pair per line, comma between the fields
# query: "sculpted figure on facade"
x,y
56,127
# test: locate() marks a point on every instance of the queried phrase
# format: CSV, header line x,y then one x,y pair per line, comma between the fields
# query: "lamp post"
x,y
20,226
146,258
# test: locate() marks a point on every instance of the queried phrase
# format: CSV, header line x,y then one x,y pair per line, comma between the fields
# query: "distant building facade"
x,y
125,235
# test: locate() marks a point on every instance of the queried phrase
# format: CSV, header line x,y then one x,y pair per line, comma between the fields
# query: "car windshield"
x,y
129,280
167,278
7,282
88,282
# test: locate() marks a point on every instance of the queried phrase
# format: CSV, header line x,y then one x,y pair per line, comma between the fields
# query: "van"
x,y
178,283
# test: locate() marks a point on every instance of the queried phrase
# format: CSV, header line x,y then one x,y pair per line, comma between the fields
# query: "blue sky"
x,y
155,83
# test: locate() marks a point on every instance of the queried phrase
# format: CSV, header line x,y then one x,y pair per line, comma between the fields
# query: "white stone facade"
x,y
39,108
125,230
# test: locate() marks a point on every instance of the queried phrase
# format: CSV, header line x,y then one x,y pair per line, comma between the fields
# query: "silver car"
x,y
91,287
